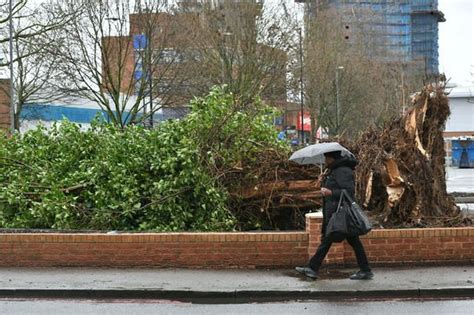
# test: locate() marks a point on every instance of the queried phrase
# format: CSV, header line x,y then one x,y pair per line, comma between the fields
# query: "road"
x,y
460,180
117,307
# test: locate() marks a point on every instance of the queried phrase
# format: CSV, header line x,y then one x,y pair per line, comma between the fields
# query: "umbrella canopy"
x,y
314,154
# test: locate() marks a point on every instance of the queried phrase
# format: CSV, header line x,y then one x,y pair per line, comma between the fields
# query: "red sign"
x,y
306,121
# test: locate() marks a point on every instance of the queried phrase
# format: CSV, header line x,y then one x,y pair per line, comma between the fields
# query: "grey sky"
x,y
456,41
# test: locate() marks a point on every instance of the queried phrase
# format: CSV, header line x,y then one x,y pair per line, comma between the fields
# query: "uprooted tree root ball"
x,y
401,175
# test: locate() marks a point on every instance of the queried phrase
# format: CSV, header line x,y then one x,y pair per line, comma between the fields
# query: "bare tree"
x,y
348,86
122,56
35,73
30,27
33,70
242,45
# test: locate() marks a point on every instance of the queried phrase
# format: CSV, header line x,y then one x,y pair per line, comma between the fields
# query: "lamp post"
x,y
301,84
337,97
12,90
150,80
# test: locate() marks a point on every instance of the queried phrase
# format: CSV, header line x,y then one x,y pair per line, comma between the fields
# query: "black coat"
x,y
340,176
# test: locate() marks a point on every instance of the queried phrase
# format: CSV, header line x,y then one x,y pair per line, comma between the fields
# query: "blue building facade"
x,y
406,30
46,114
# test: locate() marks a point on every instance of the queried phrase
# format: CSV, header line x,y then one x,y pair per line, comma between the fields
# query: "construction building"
x,y
402,30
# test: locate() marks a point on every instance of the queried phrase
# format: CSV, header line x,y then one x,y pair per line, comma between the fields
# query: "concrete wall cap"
x,y
315,215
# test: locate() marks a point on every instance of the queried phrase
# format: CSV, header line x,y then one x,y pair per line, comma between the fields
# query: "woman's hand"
x,y
326,192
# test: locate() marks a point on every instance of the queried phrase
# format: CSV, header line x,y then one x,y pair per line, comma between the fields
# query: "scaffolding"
x,y
405,30
424,19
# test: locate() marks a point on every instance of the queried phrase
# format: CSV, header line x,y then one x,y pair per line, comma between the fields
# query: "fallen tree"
x,y
400,179
272,192
401,175
221,168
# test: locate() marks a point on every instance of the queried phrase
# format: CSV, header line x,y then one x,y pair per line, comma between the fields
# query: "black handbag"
x,y
348,220
358,223
337,228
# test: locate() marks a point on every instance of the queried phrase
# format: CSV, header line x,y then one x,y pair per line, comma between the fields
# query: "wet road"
x,y
387,307
460,180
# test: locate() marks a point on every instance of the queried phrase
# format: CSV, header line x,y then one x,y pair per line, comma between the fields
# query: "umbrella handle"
x,y
321,178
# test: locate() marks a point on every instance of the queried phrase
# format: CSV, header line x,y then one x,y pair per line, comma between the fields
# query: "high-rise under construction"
x,y
406,30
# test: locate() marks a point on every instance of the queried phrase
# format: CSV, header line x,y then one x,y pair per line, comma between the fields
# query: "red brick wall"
x,y
434,245
194,250
402,246
4,104
233,250
313,227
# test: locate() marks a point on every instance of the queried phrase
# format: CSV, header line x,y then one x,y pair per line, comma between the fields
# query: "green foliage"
x,y
165,179
229,132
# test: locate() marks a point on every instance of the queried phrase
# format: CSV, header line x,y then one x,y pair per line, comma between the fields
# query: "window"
x,y
169,55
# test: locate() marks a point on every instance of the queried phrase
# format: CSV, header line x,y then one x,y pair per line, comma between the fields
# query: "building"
x,y
151,54
461,121
402,30
188,51
460,124
79,111
5,122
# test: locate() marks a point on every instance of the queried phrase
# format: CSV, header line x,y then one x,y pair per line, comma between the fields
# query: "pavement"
x,y
233,285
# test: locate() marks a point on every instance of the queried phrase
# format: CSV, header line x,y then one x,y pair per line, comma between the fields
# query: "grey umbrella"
x,y
314,154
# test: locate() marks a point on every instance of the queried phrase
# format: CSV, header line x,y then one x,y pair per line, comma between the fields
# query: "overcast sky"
x,y
456,41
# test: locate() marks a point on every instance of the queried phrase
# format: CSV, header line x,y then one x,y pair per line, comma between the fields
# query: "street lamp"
x,y
301,84
337,97
150,81
12,91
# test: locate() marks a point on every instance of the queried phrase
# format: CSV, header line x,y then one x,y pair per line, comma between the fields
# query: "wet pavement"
x,y
232,284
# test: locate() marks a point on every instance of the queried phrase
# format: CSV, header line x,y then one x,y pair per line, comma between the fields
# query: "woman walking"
x,y
339,176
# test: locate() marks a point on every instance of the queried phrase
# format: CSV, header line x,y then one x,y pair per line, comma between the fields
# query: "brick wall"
x,y
314,222
401,246
233,250
4,104
194,250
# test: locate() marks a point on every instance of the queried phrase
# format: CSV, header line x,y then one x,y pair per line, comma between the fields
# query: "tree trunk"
x,y
314,126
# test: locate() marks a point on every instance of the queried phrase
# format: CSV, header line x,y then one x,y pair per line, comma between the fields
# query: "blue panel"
x,y
54,113
138,74
140,41
86,115
463,153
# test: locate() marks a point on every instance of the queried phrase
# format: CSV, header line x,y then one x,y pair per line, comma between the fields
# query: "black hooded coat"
x,y
339,177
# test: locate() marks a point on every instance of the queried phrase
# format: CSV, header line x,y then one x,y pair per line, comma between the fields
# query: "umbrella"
x,y
314,154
